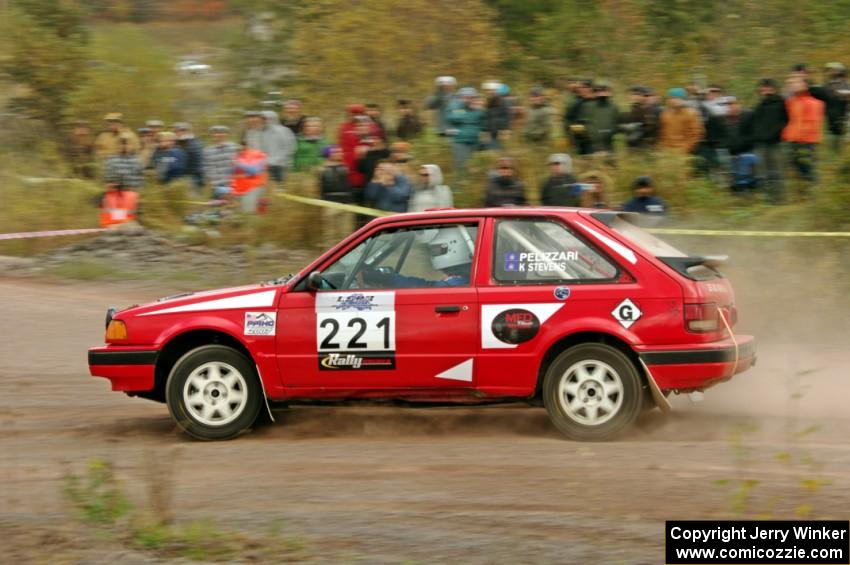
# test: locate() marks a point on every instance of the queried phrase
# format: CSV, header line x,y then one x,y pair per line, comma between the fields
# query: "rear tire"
x,y
213,393
592,392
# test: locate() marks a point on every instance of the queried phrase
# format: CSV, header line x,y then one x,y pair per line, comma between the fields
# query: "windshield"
x,y
644,239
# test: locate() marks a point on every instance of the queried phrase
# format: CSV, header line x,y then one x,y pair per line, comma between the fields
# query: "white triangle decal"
x,y
461,372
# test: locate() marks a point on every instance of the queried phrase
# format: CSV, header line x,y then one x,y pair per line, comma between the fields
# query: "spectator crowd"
x,y
368,162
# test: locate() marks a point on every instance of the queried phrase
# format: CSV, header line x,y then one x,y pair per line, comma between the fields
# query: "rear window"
x,y
644,239
662,250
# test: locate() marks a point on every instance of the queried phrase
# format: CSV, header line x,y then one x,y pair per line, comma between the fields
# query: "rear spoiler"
x,y
682,264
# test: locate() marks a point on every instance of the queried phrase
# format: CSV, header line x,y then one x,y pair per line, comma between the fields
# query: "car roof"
x,y
451,213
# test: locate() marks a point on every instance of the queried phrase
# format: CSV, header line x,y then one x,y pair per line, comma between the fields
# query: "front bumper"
x,y
128,369
699,367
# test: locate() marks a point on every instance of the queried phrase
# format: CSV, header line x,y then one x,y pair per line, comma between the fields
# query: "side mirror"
x,y
315,281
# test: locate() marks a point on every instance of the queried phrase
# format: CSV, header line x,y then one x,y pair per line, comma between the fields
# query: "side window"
x,y
542,251
421,257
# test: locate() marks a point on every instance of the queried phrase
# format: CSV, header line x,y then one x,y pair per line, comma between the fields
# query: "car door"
x,y
397,310
544,280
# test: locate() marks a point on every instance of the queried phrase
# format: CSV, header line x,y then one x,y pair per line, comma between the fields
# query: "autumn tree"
x,y
47,42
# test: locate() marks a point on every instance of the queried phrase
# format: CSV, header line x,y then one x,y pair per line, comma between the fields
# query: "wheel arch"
x,y
571,340
180,344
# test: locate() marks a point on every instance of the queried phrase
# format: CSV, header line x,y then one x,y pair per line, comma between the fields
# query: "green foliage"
x,y
47,42
96,495
129,72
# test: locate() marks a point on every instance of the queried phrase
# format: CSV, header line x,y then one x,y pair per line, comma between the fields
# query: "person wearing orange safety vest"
x,y
118,206
250,177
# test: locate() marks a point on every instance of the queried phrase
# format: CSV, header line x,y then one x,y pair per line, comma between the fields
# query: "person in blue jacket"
x,y
169,161
389,190
644,200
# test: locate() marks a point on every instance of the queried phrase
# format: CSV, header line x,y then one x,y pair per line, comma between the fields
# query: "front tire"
x,y
213,393
592,392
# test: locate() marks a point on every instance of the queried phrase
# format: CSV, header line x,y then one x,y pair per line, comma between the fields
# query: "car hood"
x,y
235,298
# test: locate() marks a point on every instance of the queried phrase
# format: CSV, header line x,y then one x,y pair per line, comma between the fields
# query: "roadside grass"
x,y
99,502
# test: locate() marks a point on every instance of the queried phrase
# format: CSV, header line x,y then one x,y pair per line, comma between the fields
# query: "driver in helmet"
x,y
451,252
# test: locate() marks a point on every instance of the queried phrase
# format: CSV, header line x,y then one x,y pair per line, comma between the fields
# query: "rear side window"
x,y
537,251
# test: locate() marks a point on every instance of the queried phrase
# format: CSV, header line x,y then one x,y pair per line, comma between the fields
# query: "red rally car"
x,y
578,310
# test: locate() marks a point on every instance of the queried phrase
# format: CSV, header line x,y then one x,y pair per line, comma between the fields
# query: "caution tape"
x,y
51,233
334,205
749,233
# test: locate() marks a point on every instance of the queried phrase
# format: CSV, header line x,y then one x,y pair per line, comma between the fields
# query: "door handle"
x,y
447,309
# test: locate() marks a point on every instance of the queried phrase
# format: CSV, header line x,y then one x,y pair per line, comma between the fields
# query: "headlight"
x,y
116,331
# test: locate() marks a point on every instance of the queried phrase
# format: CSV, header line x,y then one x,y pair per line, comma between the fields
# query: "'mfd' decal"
x,y
505,326
355,331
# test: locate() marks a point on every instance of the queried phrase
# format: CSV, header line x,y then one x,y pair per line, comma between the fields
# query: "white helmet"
x,y
451,247
445,81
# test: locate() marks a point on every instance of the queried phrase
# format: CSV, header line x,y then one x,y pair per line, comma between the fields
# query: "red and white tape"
x,y
52,233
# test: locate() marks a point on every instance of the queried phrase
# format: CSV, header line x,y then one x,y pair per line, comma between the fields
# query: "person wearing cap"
x,y
169,161
538,118
468,121
373,111
497,114
124,168
108,142
714,101
804,130
504,187
640,124
408,126
155,126
441,102
218,160
740,145
559,187
147,146
838,103
601,117
574,126
768,120
292,116
644,200
309,144
681,125
194,150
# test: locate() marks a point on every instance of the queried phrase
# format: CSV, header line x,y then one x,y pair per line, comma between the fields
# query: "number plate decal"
x,y
355,331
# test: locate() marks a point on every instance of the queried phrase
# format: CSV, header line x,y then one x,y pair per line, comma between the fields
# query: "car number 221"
x,y
355,331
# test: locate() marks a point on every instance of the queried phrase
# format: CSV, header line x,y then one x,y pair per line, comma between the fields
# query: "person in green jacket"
x,y
601,118
308,152
467,120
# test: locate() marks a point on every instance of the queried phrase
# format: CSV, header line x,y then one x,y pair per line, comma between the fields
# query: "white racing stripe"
x,y
621,250
263,299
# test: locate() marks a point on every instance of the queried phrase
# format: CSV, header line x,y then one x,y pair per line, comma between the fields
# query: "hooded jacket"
x,y
469,123
274,139
435,194
681,129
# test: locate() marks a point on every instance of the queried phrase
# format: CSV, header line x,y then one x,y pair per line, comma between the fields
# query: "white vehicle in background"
x,y
193,67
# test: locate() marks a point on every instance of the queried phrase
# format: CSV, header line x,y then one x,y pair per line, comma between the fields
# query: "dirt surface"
x,y
391,485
